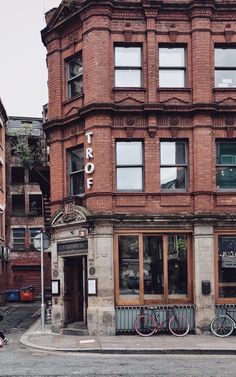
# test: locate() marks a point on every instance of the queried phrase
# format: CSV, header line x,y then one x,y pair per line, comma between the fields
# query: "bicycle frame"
x,y
228,315
155,312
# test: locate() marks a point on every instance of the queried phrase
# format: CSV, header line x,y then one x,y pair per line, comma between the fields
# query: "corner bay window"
x,y
128,66
225,67
173,165
226,165
76,170
75,76
129,165
172,67
227,266
153,267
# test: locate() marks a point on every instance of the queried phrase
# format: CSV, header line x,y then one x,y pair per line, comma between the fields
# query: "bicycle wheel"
x,y
222,326
145,325
179,325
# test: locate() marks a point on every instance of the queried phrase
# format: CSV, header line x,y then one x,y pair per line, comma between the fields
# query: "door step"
x,y
75,329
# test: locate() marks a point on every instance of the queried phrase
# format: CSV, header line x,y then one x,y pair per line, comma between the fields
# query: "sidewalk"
x,y
156,344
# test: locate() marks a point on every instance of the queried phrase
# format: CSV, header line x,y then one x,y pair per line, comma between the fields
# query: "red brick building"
x,y
141,124
26,213
4,252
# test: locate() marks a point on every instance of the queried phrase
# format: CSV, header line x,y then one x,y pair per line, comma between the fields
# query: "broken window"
x,y
17,175
18,205
35,205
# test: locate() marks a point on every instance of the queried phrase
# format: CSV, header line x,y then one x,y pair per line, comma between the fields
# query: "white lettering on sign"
x,y
89,167
89,153
89,183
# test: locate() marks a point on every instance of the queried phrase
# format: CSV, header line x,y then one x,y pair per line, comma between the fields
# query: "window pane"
x,y
129,178
77,183
129,153
225,79
171,78
130,78
226,153
128,57
177,265
226,177
153,266
171,57
173,178
76,87
227,266
173,153
75,67
129,265
77,159
225,57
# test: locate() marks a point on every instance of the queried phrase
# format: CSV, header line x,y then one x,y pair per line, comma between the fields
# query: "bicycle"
x,y
223,324
148,324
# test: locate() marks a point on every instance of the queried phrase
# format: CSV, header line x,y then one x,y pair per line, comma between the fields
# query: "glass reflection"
x,y
172,153
129,178
173,178
128,78
153,265
225,78
225,57
227,266
177,265
171,57
171,78
129,265
226,177
129,153
128,57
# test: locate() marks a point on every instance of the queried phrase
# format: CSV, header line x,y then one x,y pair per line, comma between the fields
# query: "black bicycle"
x,y
147,324
224,324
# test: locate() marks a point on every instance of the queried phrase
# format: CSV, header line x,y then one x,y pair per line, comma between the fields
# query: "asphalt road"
x,y
18,360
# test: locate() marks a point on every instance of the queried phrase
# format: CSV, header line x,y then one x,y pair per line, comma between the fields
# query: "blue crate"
x,y
12,295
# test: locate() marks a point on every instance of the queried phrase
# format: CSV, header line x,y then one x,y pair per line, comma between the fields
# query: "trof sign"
x,y
89,167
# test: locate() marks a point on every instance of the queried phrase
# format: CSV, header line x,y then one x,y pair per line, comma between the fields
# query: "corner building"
x,y
141,124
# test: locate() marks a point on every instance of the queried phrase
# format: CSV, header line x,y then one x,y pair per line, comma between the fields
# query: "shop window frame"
x,y
166,299
219,233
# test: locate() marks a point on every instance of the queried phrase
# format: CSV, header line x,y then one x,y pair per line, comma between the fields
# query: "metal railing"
x,y
220,309
126,315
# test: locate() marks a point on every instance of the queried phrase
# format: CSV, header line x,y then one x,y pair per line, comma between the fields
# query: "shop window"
x,y
129,166
17,175
76,170
154,268
128,66
227,266
173,165
32,233
18,235
18,205
75,76
172,67
225,67
226,165
35,205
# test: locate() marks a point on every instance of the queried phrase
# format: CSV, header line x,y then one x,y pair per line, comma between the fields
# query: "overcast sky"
x,y
23,72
